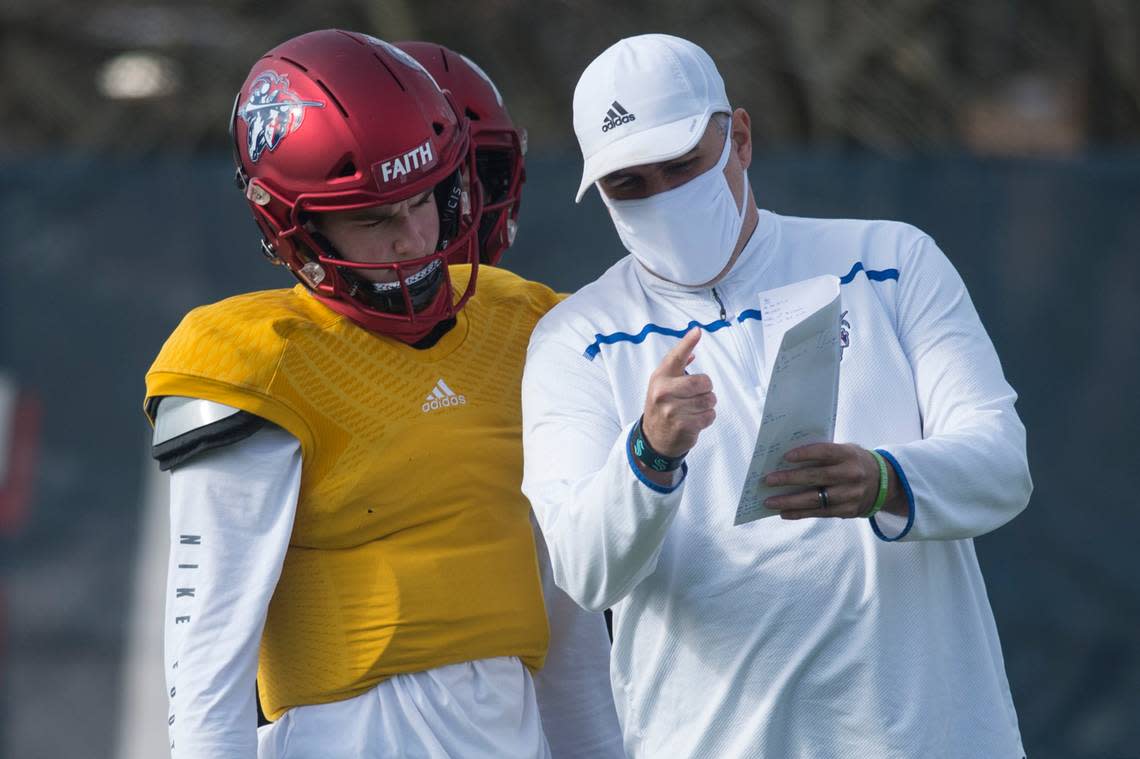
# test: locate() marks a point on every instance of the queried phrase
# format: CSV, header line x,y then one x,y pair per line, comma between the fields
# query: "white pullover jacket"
x,y
817,638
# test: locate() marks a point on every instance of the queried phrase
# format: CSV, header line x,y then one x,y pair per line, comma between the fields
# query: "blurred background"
x,y
1008,129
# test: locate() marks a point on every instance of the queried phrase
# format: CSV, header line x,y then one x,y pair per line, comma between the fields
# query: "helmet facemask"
x,y
420,293
501,174
416,283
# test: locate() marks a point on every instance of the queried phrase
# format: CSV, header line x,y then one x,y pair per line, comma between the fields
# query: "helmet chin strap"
x,y
388,296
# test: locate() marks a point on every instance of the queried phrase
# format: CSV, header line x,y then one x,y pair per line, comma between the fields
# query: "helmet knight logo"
x,y
272,112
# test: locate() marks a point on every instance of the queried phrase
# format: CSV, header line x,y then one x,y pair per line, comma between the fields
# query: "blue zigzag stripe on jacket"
x,y
592,350
880,275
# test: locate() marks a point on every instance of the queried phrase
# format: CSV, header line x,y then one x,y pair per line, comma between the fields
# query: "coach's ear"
x,y
742,137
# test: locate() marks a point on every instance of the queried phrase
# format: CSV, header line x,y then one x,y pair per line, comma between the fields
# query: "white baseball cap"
x,y
645,99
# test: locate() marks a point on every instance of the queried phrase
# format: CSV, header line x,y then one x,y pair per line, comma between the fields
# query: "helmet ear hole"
x,y
347,169
470,114
438,127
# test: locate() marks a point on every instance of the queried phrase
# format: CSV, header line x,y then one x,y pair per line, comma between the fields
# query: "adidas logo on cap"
x,y
616,116
442,396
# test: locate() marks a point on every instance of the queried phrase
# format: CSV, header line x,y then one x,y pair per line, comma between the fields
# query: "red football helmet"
x,y
499,145
336,121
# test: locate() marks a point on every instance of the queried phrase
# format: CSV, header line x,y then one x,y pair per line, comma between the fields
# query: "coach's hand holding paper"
x,y
801,329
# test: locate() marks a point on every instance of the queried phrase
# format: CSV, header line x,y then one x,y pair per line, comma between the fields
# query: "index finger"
x,y
824,453
678,358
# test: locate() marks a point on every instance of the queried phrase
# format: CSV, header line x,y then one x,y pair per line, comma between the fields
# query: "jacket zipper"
x,y
719,302
743,345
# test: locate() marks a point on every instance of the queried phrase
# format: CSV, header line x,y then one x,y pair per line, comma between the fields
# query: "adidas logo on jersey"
x,y
616,116
442,396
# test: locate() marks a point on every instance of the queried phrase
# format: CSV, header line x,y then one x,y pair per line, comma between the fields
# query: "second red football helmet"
x,y
500,147
338,121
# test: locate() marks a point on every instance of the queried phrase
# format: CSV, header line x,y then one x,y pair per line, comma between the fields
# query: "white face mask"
x,y
685,235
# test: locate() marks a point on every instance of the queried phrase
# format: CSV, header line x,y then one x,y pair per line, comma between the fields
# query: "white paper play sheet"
x,y
802,319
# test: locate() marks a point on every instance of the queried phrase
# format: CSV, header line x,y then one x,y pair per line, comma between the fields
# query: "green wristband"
x,y
883,481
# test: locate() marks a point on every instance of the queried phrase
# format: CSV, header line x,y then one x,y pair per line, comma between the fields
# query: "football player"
x,y
500,147
345,455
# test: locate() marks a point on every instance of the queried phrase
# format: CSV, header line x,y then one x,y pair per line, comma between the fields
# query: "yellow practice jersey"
x,y
412,546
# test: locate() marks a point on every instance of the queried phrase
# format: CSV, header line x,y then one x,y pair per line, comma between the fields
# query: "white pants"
x,y
477,709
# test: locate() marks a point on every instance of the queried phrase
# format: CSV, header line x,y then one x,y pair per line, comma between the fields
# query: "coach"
x,y
857,623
